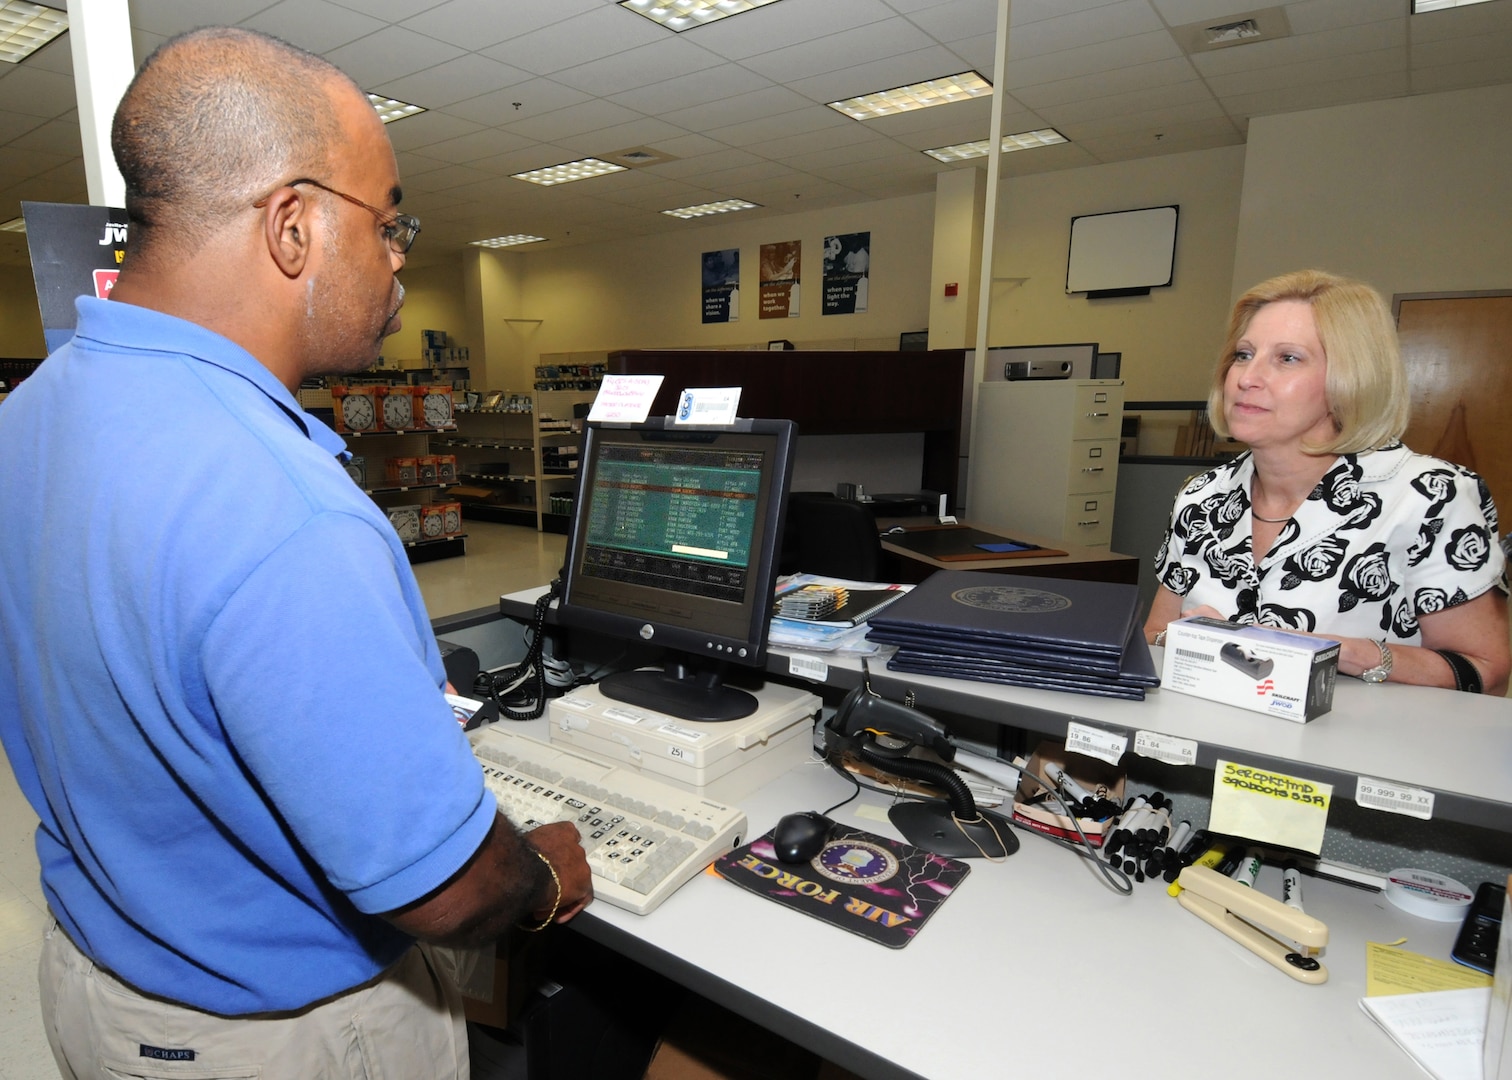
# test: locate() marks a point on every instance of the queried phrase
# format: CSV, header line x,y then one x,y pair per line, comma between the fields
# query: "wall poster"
x,y
721,286
847,264
781,271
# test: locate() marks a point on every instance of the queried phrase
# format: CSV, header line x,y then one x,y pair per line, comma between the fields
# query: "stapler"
x,y
1281,936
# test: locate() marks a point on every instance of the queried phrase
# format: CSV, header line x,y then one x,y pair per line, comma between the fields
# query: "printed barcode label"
x,y
1095,742
808,667
1394,798
1192,654
1166,748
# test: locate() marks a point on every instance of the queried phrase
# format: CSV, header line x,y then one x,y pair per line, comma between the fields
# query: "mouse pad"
x,y
883,890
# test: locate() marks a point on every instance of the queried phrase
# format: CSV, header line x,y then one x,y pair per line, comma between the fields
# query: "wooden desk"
x,y
1085,563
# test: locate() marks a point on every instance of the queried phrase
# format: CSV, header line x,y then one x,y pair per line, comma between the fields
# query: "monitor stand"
x,y
682,691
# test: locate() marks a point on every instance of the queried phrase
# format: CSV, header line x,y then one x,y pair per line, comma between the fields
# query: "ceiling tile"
x,y
484,143
477,24
388,10
1323,45
1156,121
814,118
534,97
1462,22
1294,98
1082,28
603,30
1309,73
791,22
669,95
1311,16
1162,73
389,54
169,17
55,137
425,128
772,101
453,81
313,24
639,67
1089,59
645,131
930,63
1138,101
1460,76
965,19
590,115
34,92
861,45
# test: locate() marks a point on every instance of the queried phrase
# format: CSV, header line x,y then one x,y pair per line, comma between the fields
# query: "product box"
x,y
427,469
432,522
446,468
451,517
396,408
725,761
402,470
1044,814
356,468
406,522
356,409
1254,667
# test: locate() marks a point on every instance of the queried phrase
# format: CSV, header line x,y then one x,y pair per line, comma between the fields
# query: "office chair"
x,y
830,536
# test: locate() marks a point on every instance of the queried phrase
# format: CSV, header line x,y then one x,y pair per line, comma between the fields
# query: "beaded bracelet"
x,y
555,905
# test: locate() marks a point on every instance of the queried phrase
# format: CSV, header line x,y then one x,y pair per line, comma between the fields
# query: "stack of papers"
x,y
1052,633
841,630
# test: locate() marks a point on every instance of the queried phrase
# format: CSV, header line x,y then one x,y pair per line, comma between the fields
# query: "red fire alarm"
x,y
952,287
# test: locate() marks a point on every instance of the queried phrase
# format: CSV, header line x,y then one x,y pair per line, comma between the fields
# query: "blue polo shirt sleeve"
x,y
318,668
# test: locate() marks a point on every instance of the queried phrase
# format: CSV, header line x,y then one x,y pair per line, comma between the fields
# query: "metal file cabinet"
x,y
1044,457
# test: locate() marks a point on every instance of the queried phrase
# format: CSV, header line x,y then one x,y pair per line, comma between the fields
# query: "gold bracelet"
x,y
555,905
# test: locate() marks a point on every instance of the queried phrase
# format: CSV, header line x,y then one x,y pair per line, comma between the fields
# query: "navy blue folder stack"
x,y
1051,633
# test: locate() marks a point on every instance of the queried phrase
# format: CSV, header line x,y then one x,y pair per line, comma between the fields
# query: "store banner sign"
x,y
721,286
781,272
75,251
847,268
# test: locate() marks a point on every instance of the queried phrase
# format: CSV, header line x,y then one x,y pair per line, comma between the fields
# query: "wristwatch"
x,y
1382,671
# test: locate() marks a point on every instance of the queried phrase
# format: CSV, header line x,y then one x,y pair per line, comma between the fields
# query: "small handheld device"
x,y
1475,947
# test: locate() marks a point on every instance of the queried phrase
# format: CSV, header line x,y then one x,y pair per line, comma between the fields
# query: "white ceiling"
x,y
513,85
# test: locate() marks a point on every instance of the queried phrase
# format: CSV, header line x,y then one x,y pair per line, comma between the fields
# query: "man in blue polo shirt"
x,y
218,685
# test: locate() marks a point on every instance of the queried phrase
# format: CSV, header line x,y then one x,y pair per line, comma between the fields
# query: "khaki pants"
x,y
406,1024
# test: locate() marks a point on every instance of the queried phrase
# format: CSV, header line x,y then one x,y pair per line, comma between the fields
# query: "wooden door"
x,y
1458,351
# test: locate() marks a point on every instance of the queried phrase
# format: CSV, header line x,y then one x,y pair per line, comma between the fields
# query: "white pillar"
x,y
100,35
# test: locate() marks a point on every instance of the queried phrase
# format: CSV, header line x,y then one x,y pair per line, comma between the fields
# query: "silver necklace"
x,y
1268,521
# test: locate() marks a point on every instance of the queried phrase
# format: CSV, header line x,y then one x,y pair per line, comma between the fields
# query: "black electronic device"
x,y
674,542
1475,946
882,734
799,837
1252,666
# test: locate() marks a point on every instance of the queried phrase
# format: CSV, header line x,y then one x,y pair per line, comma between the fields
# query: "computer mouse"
x,y
799,837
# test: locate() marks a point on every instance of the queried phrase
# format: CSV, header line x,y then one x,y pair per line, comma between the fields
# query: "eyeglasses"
x,y
399,230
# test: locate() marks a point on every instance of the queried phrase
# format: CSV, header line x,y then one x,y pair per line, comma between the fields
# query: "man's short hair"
x,y
1366,381
215,119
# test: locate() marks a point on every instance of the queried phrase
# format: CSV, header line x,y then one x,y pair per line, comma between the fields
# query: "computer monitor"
x,y
674,541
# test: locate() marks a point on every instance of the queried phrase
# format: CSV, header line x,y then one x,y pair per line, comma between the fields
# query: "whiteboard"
x,y
1132,249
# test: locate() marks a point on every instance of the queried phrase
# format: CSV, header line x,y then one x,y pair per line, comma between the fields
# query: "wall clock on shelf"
x,y
398,411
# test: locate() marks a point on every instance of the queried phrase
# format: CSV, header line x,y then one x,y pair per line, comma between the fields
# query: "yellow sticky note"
x,y
1389,970
1269,807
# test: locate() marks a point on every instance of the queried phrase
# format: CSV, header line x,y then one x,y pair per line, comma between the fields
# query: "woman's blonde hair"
x,y
1366,382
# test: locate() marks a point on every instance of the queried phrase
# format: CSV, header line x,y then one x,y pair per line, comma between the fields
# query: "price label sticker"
x,y
808,667
1166,748
1095,742
1394,798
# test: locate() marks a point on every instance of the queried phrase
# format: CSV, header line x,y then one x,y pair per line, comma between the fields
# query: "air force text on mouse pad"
x,y
883,890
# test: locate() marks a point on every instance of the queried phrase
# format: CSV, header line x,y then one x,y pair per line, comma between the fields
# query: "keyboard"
x,y
644,837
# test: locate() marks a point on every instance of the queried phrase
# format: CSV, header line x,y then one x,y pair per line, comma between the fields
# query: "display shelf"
x,y
503,451
374,447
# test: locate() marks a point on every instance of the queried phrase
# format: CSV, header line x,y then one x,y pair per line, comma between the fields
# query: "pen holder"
x,y
1039,811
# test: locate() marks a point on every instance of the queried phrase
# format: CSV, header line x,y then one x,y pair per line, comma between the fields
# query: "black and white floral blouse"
x,y
1385,537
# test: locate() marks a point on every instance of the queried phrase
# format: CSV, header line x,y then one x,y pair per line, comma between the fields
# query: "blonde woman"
x,y
1328,524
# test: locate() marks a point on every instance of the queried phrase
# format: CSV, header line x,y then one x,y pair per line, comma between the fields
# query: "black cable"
x,y
530,673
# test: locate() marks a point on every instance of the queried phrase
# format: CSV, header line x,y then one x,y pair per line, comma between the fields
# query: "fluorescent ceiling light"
x,y
1024,140
680,15
509,241
724,206
390,110
569,171
1420,6
15,224
942,91
25,28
